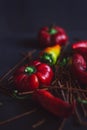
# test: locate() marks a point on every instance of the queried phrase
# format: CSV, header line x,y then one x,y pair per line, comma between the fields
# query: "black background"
x,y
26,16
20,21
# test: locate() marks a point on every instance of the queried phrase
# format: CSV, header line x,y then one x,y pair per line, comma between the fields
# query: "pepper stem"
x,y
52,30
15,95
47,58
30,69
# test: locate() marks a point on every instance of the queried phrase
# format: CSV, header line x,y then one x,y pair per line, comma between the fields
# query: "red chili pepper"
x,y
79,61
79,68
80,47
49,36
32,76
55,105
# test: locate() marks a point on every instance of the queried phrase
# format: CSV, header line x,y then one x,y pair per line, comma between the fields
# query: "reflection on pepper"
x,y
51,54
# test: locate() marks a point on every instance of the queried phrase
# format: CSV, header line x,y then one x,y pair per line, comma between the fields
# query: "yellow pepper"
x,y
51,54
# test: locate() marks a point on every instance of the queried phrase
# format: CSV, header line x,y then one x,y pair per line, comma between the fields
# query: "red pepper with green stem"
x,y
49,36
54,105
32,76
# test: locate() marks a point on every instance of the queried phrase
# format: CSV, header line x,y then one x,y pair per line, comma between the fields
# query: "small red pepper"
x,y
79,68
80,47
49,36
54,105
32,76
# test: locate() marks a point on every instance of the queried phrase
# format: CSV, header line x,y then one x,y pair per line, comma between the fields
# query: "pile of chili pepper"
x,y
37,73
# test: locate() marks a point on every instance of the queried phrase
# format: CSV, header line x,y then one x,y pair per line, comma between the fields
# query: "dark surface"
x,y
19,22
24,16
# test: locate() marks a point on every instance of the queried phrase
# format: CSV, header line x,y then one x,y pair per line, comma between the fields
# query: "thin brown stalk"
x,y
54,87
17,117
39,123
62,124
63,94
67,95
79,118
82,95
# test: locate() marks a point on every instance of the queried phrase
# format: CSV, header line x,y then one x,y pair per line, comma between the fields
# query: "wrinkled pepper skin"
x,y
80,47
79,68
51,54
32,76
49,36
54,105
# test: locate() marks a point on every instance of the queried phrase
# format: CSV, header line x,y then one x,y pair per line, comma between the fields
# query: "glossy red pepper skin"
x,y
54,105
80,47
48,38
79,68
26,79
79,60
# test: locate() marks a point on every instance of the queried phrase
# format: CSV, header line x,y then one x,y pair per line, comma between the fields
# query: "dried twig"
x,y
62,124
38,123
17,117
54,87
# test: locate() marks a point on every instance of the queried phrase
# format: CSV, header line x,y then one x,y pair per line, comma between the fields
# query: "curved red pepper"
x,y
79,68
53,104
49,36
80,47
32,76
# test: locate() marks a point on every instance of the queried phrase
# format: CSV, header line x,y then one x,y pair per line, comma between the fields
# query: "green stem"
x,y
52,30
30,69
82,101
15,95
47,58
